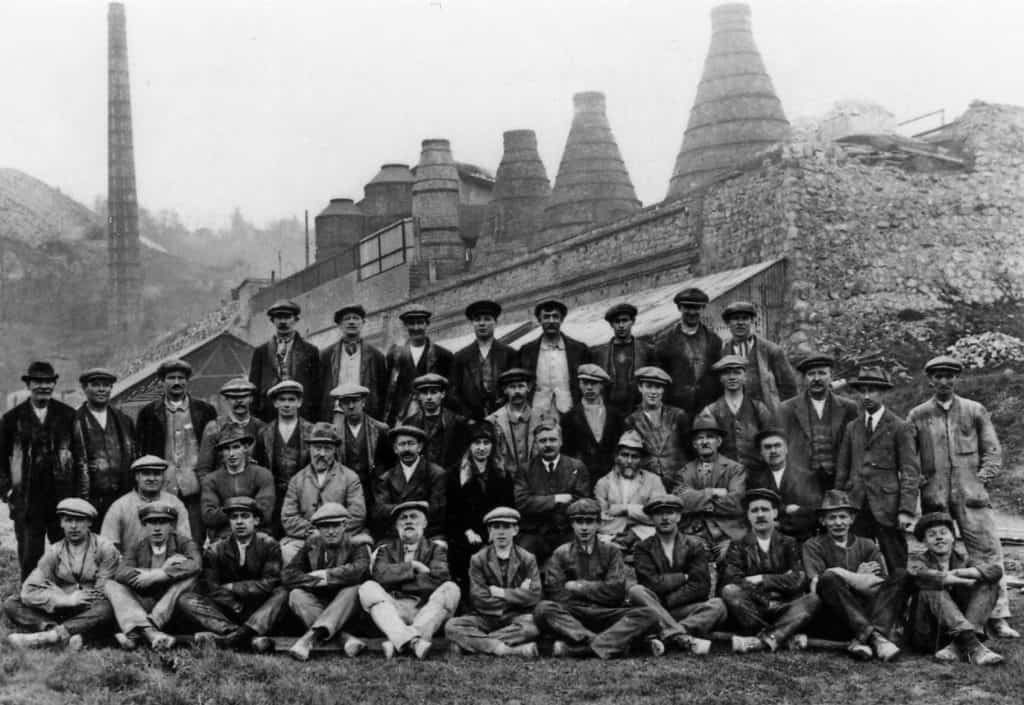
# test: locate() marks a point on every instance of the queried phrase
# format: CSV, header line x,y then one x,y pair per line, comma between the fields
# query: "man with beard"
x,y
410,595
37,469
279,446
122,525
960,454
797,487
763,581
544,490
592,428
770,378
624,492
323,480
515,422
814,422
879,468
621,356
687,353
285,356
62,599
364,443
737,413
171,427
477,367
504,587
103,441
413,479
353,361
417,357
445,430
323,579
553,359
664,428
237,393
238,476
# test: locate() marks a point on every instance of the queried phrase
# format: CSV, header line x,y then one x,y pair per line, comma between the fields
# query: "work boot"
x,y
353,646
389,650
526,650
859,650
657,647
1000,629
981,655
949,654
420,648
204,640
129,641
302,646
75,643
747,644
797,642
158,640
35,640
563,649
884,649
262,644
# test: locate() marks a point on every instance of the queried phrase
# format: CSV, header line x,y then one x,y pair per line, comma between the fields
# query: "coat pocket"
x,y
977,497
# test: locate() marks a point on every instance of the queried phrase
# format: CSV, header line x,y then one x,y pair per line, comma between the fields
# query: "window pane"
x,y
392,260
368,250
391,241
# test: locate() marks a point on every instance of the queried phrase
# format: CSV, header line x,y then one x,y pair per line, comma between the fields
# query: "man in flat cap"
x,y
553,359
62,599
240,596
238,394
504,587
476,368
621,356
415,358
410,594
515,421
687,353
624,492
814,422
122,525
952,596
592,427
798,488
152,577
238,476
847,572
280,446
770,377
412,478
325,479
323,581
171,427
37,468
550,483
737,413
585,593
364,446
285,356
879,468
960,454
763,581
103,441
674,579
445,430
353,361
663,427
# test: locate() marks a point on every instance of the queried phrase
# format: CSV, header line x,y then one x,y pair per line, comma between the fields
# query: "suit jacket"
x,y
666,443
466,384
609,491
776,375
740,429
401,371
576,354
795,419
781,567
504,446
373,374
303,497
597,456
427,483
348,565
264,450
685,581
717,516
398,577
535,491
601,575
251,582
882,470
140,556
125,430
151,424
687,391
643,355
208,457
485,570
801,487
303,367
444,446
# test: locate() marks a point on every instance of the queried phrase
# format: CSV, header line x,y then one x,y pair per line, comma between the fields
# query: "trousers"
x,y
402,619
486,634
220,617
696,618
31,537
777,619
940,615
318,612
978,530
76,620
608,631
863,613
134,611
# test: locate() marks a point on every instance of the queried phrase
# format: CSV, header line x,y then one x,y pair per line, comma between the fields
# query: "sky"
x,y
277,106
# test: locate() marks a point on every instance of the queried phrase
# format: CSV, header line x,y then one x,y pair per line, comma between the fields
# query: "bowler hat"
x,y
663,502
815,360
149,462
933,519
97,374
583,507
592,372
691,295
943,363
652,374
515,374
285,385
157,510
737,308
836,499
76,507
550,304
429,381
282,306
351,308
483,308
631,439
330,513
233,433
40,370
757,493
768,433
729,362
175,365
706,422
872,377
347,389
505,515
407,430
418,505
413,314
242,504
237,387
623,309
323,433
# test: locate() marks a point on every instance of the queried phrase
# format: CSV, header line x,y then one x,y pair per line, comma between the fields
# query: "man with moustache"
x,y
476,368
621,356
37,469
237,393
103,441
624,492
687,353
592,428
445,430
364,445
553,359
279,445
770,378
171,427
122,525
797,487
737,413
417,357
412,479
516,421
353,361
238,476
664,428
285,356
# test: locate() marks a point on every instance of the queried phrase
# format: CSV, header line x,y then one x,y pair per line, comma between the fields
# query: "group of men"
x,y
623,495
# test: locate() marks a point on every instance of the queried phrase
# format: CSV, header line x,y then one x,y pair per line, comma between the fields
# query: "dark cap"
x,y
406,430
430,381
284,306
549,305
324,433
652,374
836,499
768,433
414,314
233,433
933,519
663,502
761,493
241,504
483,308
516,374
584,507
691,295
168,366
157,510
40,370
943,363
706,422
623,309
737,308
481,430
729,362
351,308
815,360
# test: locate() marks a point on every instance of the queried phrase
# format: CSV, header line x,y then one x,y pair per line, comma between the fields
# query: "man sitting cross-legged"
x,y
504,585
848,574
323,579
674,579
154,574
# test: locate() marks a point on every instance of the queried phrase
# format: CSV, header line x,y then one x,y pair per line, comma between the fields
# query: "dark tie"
x,y
871,426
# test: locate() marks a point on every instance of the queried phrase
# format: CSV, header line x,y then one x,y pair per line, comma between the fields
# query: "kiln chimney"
x,y
435,205
521,189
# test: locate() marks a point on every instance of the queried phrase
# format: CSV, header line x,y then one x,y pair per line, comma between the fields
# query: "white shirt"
x,y
40,413
100,416
734,404
354,430
946,405
287,428
764,544
819,406
872,419
320,477
777,474
348,365
552,377
407,470
417,352
242,548
550,465
668,549
484,348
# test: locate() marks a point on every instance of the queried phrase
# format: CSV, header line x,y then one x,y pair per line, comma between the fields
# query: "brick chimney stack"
x,y
435,205
521,189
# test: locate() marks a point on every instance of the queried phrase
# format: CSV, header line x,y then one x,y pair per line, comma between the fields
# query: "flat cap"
x,y
623,309
414,314
583,507
237,387
76,507
738,308
429,381
348,389
176,365
815,360
157,510
944,363
330,513
506,515
652,374
768,433
706,423
663,502
407,430
836,499
97,374
515,374
242,504
631,439
40,370
233,433
283,306
691,295
871,377
149,462
323,433
593,372
933,519
418,505
729,362
550,305
285,385
483,308
351,308
761,493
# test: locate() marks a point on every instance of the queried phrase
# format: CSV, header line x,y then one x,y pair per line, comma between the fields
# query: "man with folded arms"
x,y
504,587
323,579
624,492
410,595
153,575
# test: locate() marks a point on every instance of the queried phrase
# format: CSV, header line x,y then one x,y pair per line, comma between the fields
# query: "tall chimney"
x,y
521,189
125,273
592,185
736,114
435,205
